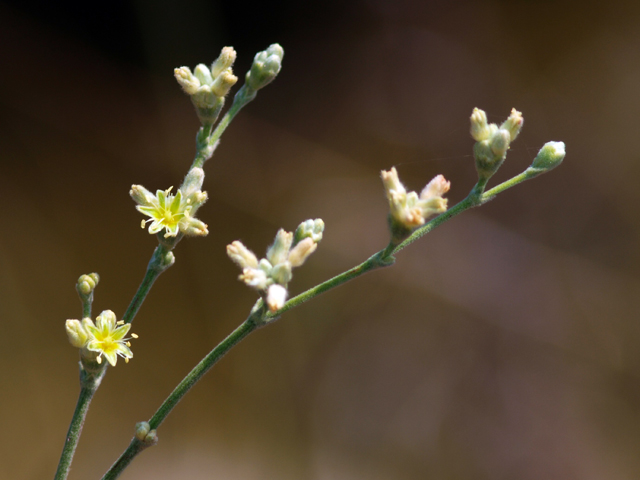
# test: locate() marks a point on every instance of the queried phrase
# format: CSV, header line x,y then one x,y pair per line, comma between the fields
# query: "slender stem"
x,y
243,97
156,266
136,445
372,263
89,385
86,305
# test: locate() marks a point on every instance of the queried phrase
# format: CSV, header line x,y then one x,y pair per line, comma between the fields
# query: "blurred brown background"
x,y
505,345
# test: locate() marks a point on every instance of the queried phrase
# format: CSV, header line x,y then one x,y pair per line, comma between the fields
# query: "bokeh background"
x,y
505,345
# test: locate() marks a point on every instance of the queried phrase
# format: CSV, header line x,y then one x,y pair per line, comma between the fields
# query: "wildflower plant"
x,y
172,216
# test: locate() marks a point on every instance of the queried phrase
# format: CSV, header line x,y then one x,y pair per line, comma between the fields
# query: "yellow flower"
x,y
106,337
170,212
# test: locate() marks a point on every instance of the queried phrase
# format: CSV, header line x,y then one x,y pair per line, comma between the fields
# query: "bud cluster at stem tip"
x,y
492,142
408,210
87,283
266,66
206,86
271,275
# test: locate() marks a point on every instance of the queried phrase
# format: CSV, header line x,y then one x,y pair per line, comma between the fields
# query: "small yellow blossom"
x,y
173,213
106,337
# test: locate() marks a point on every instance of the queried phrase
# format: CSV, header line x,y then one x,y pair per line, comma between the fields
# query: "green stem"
x,y
89,384
376,261
136,445
156,266
205,150
86,305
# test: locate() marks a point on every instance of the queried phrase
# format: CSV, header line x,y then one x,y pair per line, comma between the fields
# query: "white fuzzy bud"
x,y
241,255
276,297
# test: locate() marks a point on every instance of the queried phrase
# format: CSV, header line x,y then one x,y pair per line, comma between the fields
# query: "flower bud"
x,y
223,83
513,124
203,74
479,126
276,297
142,429
309,229
266,66
499,143
279,251
192,182
281,273
223,62
187,80
76,333
549,156
142,196
86,283
437,187
241,255
301,251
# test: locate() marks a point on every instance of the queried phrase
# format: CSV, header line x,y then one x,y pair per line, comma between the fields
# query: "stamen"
x,y
120,322
133,335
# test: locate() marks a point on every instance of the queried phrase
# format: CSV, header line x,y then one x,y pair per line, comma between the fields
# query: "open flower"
x,y
106,337
173,213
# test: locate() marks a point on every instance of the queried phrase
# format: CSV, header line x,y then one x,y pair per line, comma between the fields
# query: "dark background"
x,y
502,346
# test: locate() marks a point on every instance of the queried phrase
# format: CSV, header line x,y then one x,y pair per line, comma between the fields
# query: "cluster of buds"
x,y
104,338
266,66
206,86
271,275
87,283
409,210
492,142
173,213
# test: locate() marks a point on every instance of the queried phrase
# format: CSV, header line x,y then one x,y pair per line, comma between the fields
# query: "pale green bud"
x,y
142,429
499,142
203,74
86,283
281,273
279,251
479,127
266,66
549,156
309,229
76,333
513,124
223,62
